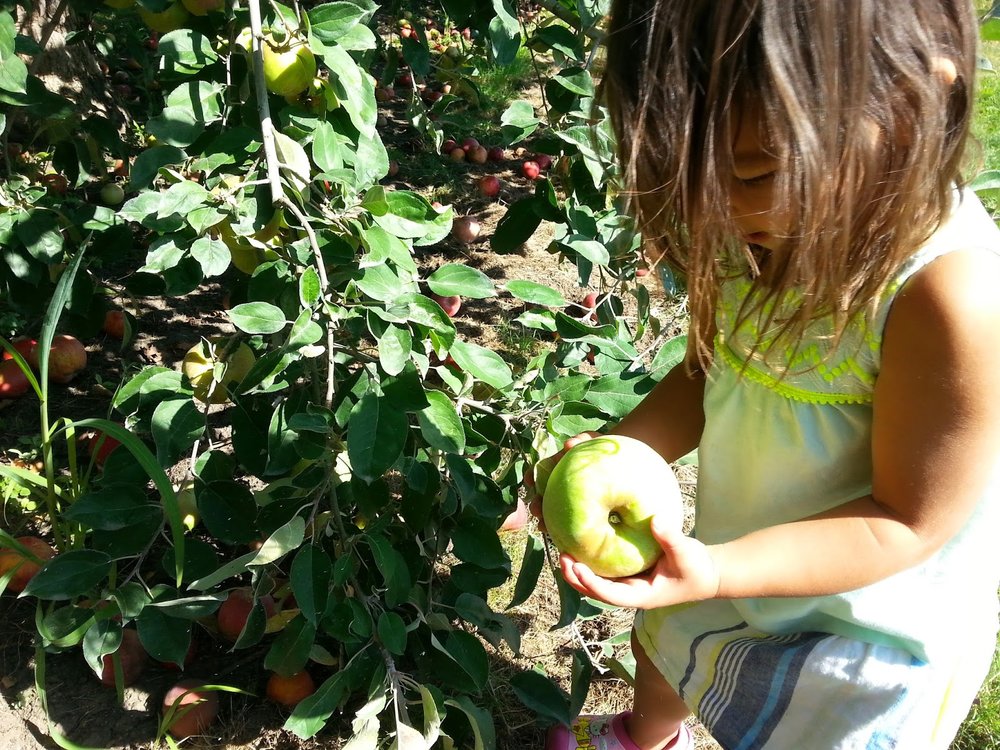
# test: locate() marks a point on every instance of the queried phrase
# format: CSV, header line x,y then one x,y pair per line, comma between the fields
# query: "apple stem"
x,y
614,519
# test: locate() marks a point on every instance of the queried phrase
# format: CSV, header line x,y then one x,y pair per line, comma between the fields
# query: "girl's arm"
x,y
936,445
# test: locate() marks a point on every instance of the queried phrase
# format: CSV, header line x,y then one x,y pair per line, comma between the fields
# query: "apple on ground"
x,y
489,186
67,357
393,168
448,146
495,153
450,304
544,161
465,229
469,143
112,194
477,155
599,499
11,558
291,690
530,169
24,347
99,446
13,381
457,154
232,616
133,658
114,324
194,708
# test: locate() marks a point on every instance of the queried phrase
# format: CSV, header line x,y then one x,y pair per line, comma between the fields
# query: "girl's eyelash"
x,y
758,179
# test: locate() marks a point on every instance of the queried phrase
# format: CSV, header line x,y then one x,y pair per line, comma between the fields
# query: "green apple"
x,y
289,67
599,499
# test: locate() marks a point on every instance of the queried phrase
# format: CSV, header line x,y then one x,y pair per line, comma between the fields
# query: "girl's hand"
x,y
687,572
534,499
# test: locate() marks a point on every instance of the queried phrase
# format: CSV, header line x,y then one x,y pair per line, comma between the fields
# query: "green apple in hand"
x,y
598,501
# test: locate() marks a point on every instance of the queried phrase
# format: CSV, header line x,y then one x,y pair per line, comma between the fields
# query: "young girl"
x,y
798,161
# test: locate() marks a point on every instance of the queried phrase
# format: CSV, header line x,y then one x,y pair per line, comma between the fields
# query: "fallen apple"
x,y
477,155
289,66
544,161
11,558
469,143
599,499
112,194
448,146
199,367
291,690
457,154
232,615
465,229
133,659
194,708
24,347
67,357
530,169
13,382
114,324
489,186
99,446
450,304
495,153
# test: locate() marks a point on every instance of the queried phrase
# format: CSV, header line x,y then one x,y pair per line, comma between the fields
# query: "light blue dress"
x,y
892,665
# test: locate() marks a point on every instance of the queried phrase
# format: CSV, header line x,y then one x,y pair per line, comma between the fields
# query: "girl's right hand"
x,y
535,499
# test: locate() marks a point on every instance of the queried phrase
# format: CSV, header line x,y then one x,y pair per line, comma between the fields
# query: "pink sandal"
x,y
605,733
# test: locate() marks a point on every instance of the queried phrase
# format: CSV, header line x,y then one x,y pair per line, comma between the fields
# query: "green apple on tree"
x,y
289,66
169,19
598,501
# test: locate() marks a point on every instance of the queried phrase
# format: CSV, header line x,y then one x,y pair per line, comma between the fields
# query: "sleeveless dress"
x,y
895,664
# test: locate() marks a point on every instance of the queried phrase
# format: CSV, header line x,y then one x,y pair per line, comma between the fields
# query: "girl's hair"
x,y
857,103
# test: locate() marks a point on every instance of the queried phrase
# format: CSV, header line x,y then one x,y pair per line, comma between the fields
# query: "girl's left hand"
x,y
687,572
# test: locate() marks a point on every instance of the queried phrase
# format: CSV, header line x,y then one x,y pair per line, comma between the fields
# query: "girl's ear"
x,y
944,67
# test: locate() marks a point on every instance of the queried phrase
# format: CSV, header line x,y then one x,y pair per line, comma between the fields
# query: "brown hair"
x,y
868,133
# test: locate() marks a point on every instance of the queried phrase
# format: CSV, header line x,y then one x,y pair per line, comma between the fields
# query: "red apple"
x,y
133,658
465,229
232,616
495,153
99,446
477,155
13,382
10,558
393,168
406,32
114,324
404,81
457,154
25,347
448,146
67,357
290,691
589,305
451,305
469,143
489,186
195,710
544,161
531,170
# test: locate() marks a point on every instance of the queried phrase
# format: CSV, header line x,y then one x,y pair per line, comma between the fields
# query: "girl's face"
x,y
752,190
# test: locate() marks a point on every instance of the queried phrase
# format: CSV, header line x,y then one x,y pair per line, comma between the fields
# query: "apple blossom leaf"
x,y
464,281
516,227
393,567
330,21
229,512
504,33
480,720
185,51
492,626
294,160
440,423
536,294
392,632
290,651
475,541
311,573
213,255
539,693
103,637
110,508
531,568
164,637
258,317
69,575
483,363
518,121
394,347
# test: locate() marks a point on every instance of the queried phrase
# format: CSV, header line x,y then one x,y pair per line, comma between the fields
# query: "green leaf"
x,y
185,51
394,568
293,159
332,21
394,347
175,425
311,573
290,651
516,227
258,317
504,33
309,287
618,395
69,575
165,638
111,508
310,715
535,294
475,541
576,80
539,693
229,512
13,71
669,356
149,162
531,569
484,364
392,633
518,121
480,719
440,424
212,255
455,279
376,435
